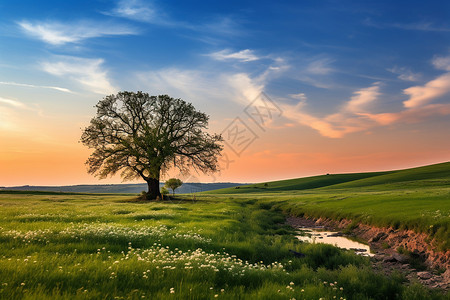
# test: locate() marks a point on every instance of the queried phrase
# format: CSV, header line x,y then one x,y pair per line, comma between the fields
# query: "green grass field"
x,y
417,199
60,246
228,244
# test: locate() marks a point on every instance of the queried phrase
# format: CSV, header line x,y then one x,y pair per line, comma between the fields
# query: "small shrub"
x,y
164,191
142,196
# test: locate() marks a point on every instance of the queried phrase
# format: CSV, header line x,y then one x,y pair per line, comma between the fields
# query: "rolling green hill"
x,y
416,198
298,183
428,175
437,174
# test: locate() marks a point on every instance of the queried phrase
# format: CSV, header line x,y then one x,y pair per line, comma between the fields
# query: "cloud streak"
x,y
363,97
421,26
58,34
417,26
442,63
12,113
134,10
315,71
13,103
88,72
210,85
149,12
320,66
356,116
37,86
243,55
348,119
202,85
420,95
405,74
436,88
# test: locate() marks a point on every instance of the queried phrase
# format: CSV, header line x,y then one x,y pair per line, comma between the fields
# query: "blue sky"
x,y
340,71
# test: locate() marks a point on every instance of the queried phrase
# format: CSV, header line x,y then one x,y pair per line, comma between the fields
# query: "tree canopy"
x,y
173,184
142,136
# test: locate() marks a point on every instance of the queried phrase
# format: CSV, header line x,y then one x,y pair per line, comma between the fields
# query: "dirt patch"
x,y
417,259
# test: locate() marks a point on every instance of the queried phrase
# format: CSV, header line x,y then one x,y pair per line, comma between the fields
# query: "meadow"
x,y
90,246
416,199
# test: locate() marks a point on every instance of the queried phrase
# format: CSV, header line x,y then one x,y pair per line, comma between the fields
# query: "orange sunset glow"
x,y
359,94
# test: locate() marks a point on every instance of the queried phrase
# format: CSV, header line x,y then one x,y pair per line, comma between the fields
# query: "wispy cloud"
x,y
356,115
203,86
316,71
405,74
5,122
210,32
299,96
418,26
37,86
213,85
12,113
422,26
438,87
86,71
243,55
13,103
321,66
349,118
135,10
56,33
420,95
442,63
223,25
325,127
362,98
410,115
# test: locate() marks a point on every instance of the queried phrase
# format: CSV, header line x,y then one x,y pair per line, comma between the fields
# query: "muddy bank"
x,y
384,242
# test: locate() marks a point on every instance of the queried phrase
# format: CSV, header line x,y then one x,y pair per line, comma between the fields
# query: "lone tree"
x,y
141,136
173,184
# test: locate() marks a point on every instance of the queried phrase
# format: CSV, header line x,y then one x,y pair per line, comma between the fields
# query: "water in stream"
x,y
316,235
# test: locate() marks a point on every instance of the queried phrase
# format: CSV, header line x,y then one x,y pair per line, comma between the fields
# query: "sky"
x,y
296,88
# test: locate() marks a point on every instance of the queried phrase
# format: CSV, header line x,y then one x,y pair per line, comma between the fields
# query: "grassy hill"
x,y
227,244
417,198
437,174
298,183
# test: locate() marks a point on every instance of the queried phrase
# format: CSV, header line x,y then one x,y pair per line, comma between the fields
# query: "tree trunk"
x,y
153,189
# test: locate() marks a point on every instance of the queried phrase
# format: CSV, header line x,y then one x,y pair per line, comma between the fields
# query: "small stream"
x,y
319,235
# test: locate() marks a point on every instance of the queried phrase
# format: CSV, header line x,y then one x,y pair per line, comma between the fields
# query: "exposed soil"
x,y
420,262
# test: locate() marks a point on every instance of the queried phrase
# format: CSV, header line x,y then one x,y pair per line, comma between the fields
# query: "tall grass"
x,y
63,246
415,199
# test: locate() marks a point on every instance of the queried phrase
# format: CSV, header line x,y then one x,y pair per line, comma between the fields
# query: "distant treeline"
x,y
121,188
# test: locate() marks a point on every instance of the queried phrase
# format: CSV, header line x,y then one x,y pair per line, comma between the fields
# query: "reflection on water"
x,y
315,235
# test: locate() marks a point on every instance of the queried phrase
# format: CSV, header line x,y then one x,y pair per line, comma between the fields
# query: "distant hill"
x,y
436,174
188,187
426,175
